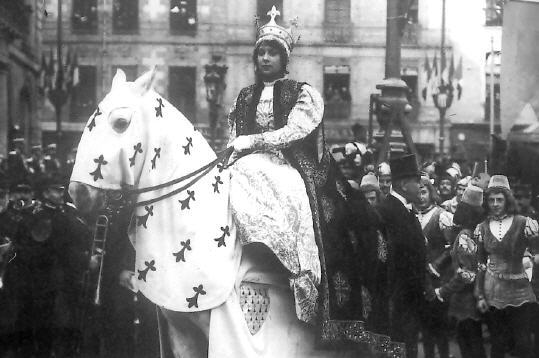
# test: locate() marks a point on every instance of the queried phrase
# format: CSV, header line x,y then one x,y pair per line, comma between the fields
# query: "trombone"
x,y
98,252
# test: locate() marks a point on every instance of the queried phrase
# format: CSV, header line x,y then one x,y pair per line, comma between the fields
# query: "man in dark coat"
x,y
406,253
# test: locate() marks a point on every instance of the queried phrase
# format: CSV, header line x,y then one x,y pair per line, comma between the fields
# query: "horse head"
x,y
102,161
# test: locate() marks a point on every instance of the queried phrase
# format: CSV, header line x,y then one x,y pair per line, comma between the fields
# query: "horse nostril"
x,y
78,192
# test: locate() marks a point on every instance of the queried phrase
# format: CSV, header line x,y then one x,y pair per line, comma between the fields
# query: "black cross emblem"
x,y
185,202
142,220
97,172
149,266
216,184
180,255
92,123
221,240
156,155
186,147
193,301
158,112
138,149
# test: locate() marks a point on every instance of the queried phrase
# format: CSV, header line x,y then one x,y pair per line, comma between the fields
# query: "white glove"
x,y
241,143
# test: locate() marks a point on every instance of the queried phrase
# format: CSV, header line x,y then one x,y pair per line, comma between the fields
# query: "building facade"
x,y
20,51
341,53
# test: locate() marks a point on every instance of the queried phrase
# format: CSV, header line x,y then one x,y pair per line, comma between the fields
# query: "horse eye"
x,y
120,124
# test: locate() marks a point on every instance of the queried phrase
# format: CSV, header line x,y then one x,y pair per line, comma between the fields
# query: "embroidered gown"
x,y
271,207
268,197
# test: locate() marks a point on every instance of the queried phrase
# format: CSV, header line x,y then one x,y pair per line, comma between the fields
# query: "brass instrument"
x,y
98,251
91,281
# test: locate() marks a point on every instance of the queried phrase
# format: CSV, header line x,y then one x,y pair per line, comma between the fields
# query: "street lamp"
x,y
443,98
214,79
443,94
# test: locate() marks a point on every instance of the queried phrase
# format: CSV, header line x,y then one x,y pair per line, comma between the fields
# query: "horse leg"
x,y
183,334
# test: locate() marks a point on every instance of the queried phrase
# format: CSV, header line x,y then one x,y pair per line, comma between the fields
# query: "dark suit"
x,y
406,271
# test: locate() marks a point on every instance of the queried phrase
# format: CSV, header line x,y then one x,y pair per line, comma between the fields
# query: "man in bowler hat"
x,y
406,253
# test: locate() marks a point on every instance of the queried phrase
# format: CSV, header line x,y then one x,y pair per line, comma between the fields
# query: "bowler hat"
x,y
404,167
499,181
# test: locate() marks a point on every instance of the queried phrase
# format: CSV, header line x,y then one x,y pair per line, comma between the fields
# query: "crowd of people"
x,y
48,278
471,274
472,270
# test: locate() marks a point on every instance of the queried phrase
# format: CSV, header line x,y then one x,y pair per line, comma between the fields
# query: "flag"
x,y
443,67
435,78
458,78
53,70
75,70
428,74
42,74
451,70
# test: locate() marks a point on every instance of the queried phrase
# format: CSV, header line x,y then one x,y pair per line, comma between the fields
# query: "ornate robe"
x,y
296,138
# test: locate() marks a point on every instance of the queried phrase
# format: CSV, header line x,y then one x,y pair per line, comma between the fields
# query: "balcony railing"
x,y
338,32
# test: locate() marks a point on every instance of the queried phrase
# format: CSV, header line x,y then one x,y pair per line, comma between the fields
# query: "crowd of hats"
x,y
474,183
21,173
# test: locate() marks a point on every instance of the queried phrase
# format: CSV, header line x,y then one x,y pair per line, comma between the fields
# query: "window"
x,y
338,11
129,70
84,16
264,6
182,90
124,16
494,12
83,100
497,65
183,17
412,15
337,91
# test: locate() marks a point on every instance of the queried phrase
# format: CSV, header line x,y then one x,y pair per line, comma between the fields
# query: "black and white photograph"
x,y
269,178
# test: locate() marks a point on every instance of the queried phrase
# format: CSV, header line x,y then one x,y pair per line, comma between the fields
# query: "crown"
x,y
273,31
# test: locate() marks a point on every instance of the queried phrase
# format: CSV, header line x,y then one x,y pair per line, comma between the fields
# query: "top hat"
x,y
473,196
369,182
404,167
499,181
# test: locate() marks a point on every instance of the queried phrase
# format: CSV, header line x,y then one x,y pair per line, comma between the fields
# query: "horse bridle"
x,y
115,199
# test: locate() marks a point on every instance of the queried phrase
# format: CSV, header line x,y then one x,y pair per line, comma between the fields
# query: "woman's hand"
x,y
241,143
482,305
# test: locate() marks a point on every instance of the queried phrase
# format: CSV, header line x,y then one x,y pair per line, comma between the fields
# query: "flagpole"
x,y
59,74
442,68
491,117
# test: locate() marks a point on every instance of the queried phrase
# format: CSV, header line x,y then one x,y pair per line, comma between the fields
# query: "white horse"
x,y
187,255
188,259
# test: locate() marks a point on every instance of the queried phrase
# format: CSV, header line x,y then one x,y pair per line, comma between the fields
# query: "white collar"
x,y
404,202
271,83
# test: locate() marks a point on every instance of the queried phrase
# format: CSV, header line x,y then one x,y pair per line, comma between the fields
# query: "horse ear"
x,y
145,81
119,78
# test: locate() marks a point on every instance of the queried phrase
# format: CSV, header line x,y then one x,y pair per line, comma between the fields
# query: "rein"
x,y
195,176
